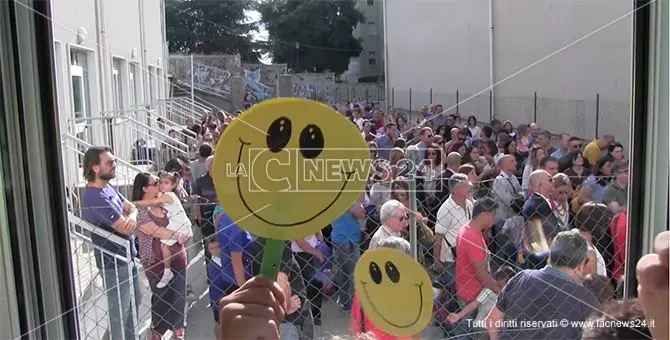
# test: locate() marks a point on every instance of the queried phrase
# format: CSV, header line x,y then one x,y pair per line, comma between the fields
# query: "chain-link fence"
x,y
585,118
118,280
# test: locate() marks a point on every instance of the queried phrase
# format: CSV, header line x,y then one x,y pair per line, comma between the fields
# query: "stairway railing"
x,y
180,111
134,140
199,107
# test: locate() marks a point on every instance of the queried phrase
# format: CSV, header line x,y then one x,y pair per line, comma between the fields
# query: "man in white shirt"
x,y
505,187
393,217
455,212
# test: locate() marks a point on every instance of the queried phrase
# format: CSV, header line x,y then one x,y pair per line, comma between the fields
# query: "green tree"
x,y
211,26
312,35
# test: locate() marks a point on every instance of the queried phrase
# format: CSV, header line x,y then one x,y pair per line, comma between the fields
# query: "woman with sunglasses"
x,y
168,302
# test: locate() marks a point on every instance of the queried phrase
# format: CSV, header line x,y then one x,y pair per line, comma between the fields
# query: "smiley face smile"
x,y
292,224
407,325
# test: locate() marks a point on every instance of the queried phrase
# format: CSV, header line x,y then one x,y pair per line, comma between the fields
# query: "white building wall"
x,y
444,45
120,45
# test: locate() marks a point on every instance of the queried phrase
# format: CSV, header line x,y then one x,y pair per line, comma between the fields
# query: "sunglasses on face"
x,y
402,218
577,146
432,154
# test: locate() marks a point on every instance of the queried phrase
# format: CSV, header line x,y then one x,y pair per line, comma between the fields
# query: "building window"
x,y
118,92
371,2
153,82
372,58
133,94
372,28
80,97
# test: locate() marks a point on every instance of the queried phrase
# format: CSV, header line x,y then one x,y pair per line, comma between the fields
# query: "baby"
x,y
179,221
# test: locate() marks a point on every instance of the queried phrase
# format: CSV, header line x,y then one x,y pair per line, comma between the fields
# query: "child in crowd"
x,y
483,304
179,221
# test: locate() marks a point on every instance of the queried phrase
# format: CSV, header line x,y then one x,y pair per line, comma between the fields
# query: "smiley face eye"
x,y
375,273
392,272
311,141
278,134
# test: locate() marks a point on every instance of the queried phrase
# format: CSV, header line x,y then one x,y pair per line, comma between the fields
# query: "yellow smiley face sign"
x,y
395,291
288,167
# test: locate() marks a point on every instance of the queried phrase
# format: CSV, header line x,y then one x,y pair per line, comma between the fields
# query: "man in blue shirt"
x,y
346,238
104,207
385,141
533,302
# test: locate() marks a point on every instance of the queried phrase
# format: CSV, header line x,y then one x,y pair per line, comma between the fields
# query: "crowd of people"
x,y
509,225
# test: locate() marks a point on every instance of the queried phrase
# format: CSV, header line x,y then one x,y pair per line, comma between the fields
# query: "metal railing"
x,y
181,109
132,139
74,149
97,285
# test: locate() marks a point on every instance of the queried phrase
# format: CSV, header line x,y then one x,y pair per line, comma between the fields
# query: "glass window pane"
x,y
78,96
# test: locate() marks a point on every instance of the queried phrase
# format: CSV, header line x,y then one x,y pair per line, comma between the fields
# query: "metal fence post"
x,y
413,155
393,96
535,107
457,101
410,104
597,114
490,105
431,96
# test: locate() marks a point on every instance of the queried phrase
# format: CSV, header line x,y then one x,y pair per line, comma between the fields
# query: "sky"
x,y
260,34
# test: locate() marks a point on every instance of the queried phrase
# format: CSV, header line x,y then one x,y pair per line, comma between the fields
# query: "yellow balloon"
x,y
288,167
394,290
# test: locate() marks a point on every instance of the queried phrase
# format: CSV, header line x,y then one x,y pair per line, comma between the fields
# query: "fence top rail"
x,y
140,124
169,122
188,111
110,237
152,129
87,145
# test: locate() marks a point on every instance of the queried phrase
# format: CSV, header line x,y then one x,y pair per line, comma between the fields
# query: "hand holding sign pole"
x,y
286,168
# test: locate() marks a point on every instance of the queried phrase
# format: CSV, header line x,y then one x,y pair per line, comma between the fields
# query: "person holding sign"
x,y
285,168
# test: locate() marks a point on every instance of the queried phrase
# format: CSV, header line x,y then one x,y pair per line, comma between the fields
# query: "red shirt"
x,y
356,312
470,248
618,228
